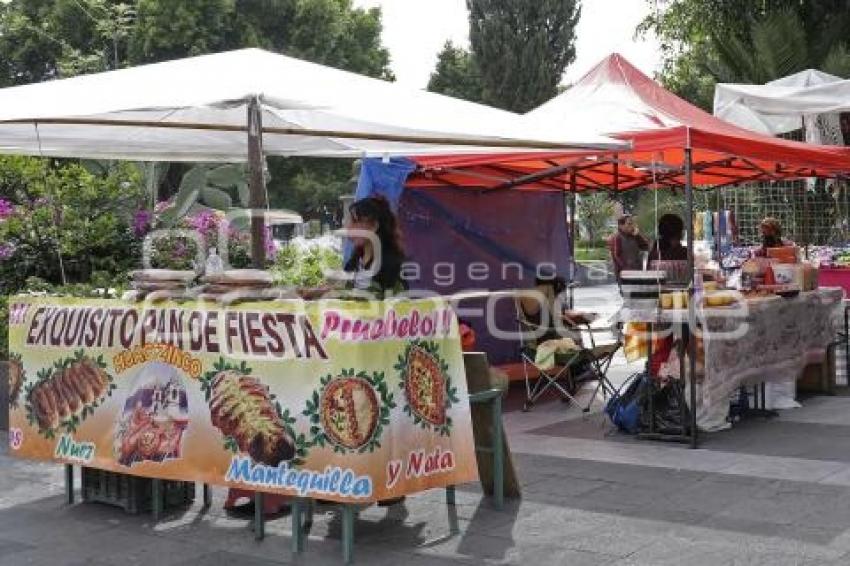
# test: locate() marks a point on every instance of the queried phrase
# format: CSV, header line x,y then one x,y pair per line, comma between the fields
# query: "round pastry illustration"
x,y
248,415
350,411
427,386
155,416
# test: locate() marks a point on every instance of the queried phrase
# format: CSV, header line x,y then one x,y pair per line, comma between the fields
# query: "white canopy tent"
x,y
244,104
787,104
195,109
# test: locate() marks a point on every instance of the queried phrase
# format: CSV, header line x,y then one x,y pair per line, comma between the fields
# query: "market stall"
x,y
321,383
675,146
753,340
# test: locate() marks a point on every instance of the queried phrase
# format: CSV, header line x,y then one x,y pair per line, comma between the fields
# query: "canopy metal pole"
x,y
807,224
256,183
717,236
572,236
692,335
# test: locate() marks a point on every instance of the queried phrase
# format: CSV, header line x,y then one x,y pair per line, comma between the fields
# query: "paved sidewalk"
x,y
771,493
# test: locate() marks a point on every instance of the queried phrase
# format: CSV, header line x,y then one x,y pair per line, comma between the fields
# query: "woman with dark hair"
x,y
373,214
668,247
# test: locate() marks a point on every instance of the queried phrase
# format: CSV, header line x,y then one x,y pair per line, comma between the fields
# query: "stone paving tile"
x,y
9,547
226,559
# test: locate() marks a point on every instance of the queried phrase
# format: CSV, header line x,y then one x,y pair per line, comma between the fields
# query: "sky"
x,y
415,31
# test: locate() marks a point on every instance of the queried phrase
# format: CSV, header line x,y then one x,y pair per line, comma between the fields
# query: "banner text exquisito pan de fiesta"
x,y
340,400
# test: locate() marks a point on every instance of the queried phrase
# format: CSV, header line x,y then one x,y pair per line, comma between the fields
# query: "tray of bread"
x,y
170,281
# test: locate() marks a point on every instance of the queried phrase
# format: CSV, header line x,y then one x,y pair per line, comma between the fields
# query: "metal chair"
x,y
594,360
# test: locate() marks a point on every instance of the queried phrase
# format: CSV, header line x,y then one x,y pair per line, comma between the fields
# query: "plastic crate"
x,y
131,493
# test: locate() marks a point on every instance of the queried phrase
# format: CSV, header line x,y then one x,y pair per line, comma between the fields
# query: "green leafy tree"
x,y
782,44
522,48
653,204
456,74
47,39
594,212
60,217
703,41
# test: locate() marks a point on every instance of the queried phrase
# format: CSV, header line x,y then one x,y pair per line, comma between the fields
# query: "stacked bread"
x,y
238,282
160,281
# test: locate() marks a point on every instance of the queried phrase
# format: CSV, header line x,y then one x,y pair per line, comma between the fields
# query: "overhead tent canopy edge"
x,y
184,110
246,104
626,104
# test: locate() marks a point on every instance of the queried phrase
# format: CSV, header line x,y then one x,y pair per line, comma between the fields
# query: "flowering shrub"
x,y
180,252
58,209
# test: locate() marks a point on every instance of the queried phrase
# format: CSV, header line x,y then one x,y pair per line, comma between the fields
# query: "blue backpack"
x,y
624,407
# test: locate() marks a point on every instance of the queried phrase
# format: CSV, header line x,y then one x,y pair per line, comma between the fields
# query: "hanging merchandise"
x,y
708,226
722,228
733,227
699,231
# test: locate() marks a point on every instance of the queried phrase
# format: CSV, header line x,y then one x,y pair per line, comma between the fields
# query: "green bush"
x,y
591,244
59,215
298,266
592,254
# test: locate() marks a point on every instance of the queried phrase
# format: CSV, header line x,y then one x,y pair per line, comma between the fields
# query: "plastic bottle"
x,y
214,264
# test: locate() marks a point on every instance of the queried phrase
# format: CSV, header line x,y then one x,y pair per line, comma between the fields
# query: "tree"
x,y
456,74
700,39
57,217
594,211
522,48
652,205
780,45
48,39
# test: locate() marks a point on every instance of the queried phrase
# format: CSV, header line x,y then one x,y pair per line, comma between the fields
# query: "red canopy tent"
x,y
674,145
619,100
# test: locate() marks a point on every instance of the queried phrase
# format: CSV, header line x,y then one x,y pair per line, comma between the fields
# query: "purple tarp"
x,y
464,239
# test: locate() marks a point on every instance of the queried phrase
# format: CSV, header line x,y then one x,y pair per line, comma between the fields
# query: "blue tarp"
x,y
378,177
381,177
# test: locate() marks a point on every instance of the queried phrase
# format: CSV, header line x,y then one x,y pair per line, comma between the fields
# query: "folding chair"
x,y
595,359
598,358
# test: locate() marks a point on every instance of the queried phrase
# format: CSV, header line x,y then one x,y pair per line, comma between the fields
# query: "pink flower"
x,y
7,249
271,245
142,220
162,206
205,223
7,209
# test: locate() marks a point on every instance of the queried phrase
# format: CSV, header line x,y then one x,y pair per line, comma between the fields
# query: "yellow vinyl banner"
x,y
341,400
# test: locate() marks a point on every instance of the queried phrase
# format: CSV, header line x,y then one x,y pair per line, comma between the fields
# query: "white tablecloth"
x,y
765,340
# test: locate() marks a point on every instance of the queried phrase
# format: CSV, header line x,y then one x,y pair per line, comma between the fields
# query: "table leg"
x,y
297,526
498,455
651,381
693,352
847,344
156,499
347,533
207,496
450,495
680,385
69,483
259,517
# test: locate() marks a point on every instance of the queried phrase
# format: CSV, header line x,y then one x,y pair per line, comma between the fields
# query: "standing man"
x,y
626,245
